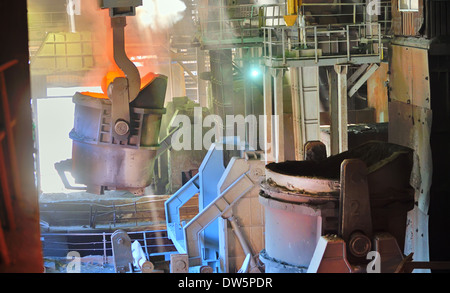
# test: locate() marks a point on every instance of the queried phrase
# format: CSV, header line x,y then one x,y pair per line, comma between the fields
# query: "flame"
x,y
109,78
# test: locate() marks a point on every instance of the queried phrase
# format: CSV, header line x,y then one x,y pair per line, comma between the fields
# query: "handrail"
x,y
319,35
248,23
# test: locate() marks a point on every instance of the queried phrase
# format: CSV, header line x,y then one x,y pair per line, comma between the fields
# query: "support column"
x,y
201,84
305,107
339,119
268,112
279,115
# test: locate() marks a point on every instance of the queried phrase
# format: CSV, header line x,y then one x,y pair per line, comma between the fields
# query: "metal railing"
x,y
88,244
245,23
220,24
38,20
347,13
98,215
284,43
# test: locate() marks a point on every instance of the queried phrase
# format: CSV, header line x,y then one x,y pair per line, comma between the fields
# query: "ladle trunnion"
x,y
337,214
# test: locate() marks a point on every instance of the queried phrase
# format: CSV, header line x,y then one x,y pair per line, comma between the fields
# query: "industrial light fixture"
x,y
254,72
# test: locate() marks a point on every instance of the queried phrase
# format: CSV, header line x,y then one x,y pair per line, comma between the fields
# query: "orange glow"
x,y
95,95
109,78
148,78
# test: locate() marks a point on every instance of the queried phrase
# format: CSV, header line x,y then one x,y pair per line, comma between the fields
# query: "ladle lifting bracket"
x,y
122,91
355,223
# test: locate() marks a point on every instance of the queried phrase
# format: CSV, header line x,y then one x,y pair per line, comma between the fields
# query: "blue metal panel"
x,y
211,170
172,208
205,183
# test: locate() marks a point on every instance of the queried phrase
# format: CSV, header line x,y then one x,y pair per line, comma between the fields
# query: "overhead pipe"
x,y
237,231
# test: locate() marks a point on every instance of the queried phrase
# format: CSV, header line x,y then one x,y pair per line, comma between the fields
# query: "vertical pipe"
x,y
279,116
270,44
268,104
302,111
105,256
296,112
348,43
354,13
147,255
264,43
283,46
315,44
243,242
380,45
342,94
71,13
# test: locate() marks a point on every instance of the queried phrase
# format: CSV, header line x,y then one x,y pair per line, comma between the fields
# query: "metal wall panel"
x,y
409,82
410,125
407,23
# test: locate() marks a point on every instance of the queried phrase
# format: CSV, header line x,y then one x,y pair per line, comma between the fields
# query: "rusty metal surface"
x,y
386,245
307,184
315,151
330,256
355,210
389,171
377,93
407,23
409,81
410,126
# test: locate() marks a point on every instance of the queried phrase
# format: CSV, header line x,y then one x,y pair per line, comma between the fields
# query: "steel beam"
x,y
268,112
279,115
339,117
305,107
214,210
372,68
354,77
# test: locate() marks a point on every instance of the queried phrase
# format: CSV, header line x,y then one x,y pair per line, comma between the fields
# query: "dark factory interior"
x,y
225,136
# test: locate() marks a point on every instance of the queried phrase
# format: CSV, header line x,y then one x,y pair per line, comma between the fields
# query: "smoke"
x,y
160,14
146,34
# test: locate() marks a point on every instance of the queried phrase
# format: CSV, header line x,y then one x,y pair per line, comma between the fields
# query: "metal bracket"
x,y
355,223
119,8
120,57
372,68
122,254
329,256
66,166
120,108
179,263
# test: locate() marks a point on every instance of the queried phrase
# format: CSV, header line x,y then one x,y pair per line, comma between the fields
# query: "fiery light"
x,y
109,78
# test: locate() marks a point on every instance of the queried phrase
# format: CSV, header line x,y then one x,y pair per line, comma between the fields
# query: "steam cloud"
x,y
160,14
